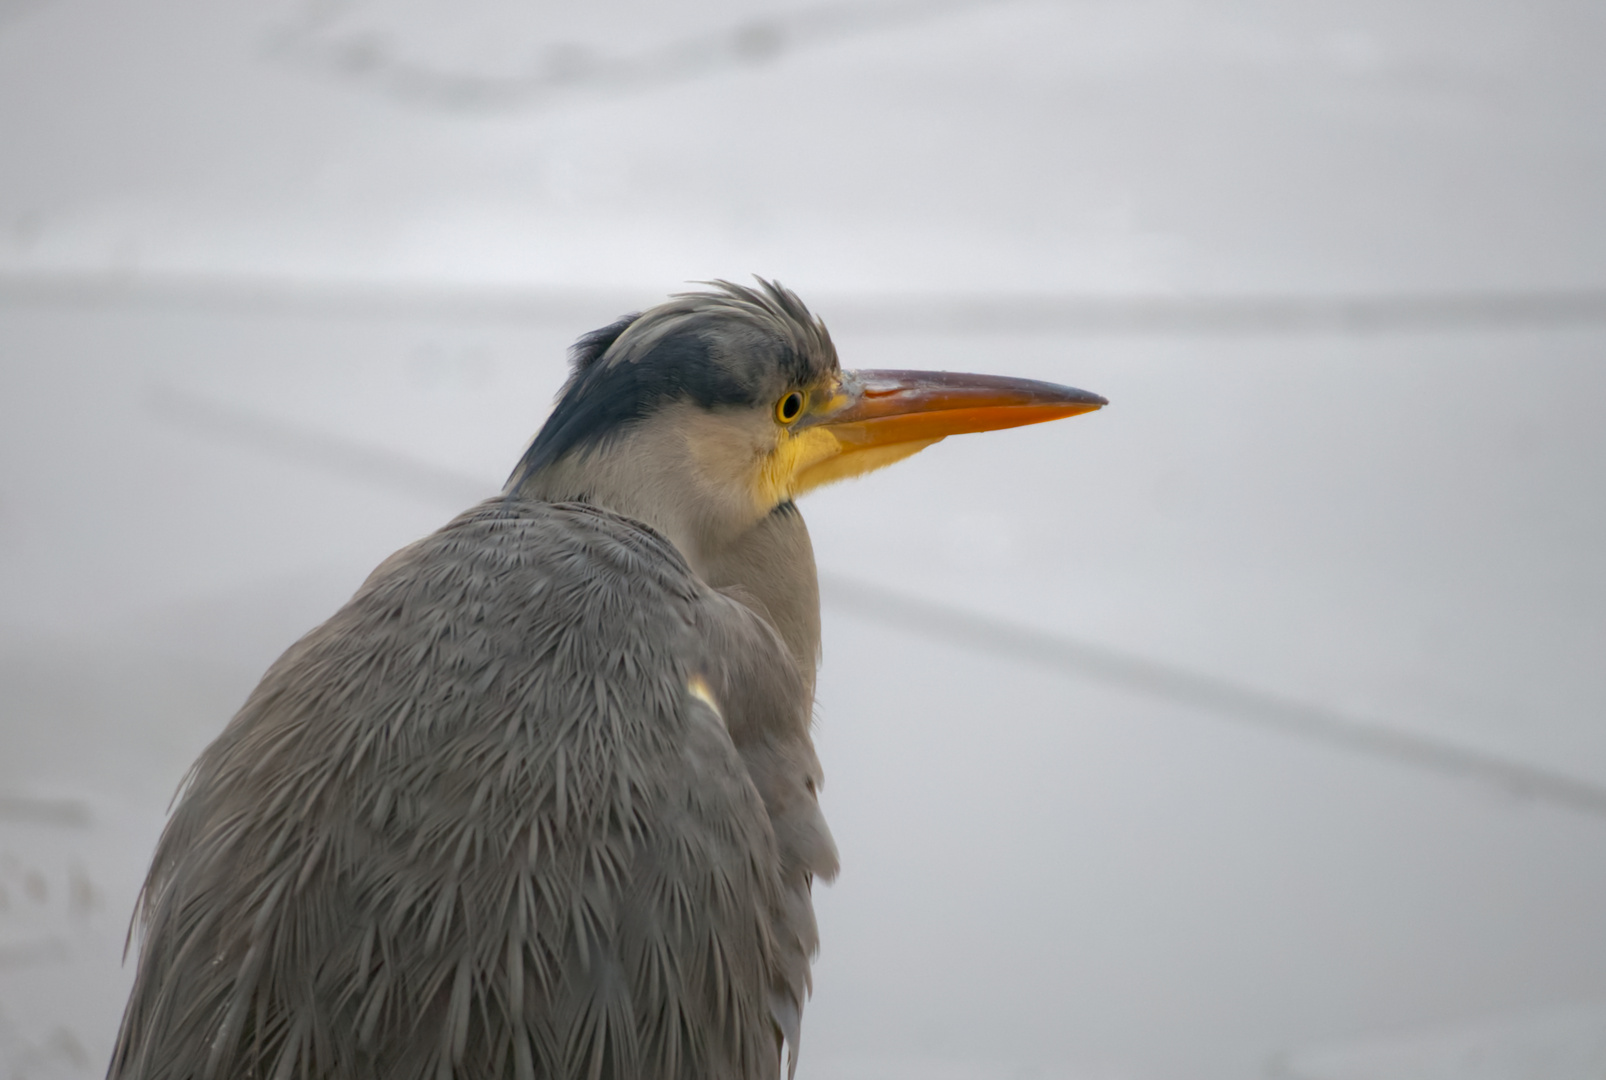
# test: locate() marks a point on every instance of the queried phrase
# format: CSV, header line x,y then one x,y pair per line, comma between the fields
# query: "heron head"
x,y
732,401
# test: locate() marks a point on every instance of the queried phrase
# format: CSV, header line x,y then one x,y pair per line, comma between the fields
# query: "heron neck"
x,y
765,561
770,567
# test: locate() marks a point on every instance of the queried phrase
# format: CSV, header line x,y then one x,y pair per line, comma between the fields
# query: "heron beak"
x,y
888,407
878,417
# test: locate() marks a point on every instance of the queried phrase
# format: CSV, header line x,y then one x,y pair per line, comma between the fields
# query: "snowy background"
x,y
1254,727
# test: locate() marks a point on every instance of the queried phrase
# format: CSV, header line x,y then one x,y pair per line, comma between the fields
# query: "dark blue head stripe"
x,y
601,398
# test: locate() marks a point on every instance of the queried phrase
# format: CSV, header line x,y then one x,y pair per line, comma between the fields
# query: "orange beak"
x,y
874,418
888,407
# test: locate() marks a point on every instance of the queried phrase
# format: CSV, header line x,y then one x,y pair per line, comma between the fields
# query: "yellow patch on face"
x,y
814,457
795,453
854,462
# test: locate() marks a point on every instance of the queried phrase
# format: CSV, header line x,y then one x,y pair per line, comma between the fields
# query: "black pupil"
x,y
791,406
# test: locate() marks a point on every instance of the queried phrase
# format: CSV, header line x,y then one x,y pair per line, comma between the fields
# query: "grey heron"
x,y
541,799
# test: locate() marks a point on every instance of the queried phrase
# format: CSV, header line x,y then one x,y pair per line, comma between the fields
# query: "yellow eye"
x,y
789,407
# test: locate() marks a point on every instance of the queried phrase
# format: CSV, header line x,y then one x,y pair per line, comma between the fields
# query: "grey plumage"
x,y
540,800
428,847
